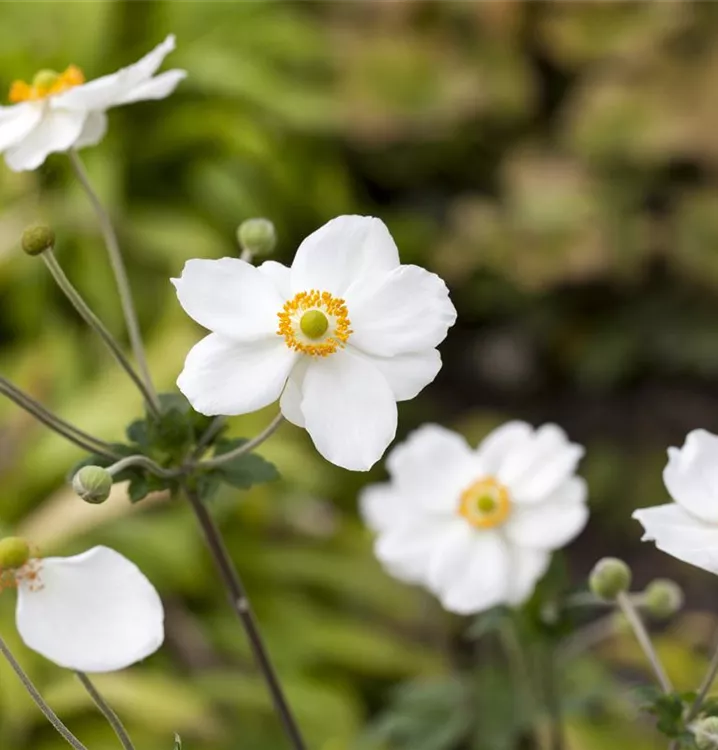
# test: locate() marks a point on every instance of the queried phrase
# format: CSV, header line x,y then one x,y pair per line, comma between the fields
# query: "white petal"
x,y
17,122
553,523
93,131
691,475
383,508
349,409
159,87
95,612
451,556
231,297
407,374
229,377
57,131
280,276
406,310
681,535
291,401
501,443
433,465
484,581
344,249
527,568
106,92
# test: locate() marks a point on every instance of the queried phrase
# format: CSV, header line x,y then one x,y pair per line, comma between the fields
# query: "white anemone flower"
x,y
59,111
476,527
341,336
688,527
93,612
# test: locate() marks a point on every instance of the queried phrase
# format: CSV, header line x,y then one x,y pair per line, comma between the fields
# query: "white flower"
x,y
477,526
94,612
59,111
341,337
688,527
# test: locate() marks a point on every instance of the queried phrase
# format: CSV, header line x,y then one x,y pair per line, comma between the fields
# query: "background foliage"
x,y
556,163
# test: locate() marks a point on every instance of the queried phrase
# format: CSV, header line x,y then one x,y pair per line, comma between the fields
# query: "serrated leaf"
x,y
244,471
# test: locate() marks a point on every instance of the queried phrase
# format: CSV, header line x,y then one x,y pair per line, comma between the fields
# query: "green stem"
x,y
112,718
243,449
146,463
118,268
705,687
553,699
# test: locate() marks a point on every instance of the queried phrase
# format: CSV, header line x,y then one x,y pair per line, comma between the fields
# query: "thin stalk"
x,y
50,715
644,640
121,280
146,463
207,437
553,700
240,604
705,687
106,710
97,325
247,447
588,636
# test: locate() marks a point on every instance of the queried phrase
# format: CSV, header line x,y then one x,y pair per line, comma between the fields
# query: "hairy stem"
x,y
247,447
106,710
146,463
121,280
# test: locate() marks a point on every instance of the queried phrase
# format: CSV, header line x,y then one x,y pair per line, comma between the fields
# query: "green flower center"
x,y
45,79
486,504
314,324
14,553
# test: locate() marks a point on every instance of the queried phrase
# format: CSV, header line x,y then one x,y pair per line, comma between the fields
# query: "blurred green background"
x,y
556,163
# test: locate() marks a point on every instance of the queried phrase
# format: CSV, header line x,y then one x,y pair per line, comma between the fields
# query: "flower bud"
x,y
662,598
35,240
92,484
14,552
609,578
257,236
705,732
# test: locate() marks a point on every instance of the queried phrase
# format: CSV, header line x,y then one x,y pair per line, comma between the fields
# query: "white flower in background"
x,y
341,336
688,527
477,526
59,111
93,612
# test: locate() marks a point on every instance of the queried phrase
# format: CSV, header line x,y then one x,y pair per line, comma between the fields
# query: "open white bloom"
x,y
93,612
477,526
688,527
341,336
59,111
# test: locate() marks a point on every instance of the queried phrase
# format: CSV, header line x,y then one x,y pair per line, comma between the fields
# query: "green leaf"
x,y
244,471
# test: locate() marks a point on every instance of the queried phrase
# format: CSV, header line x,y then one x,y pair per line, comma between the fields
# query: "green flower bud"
x,y
705,732
609,578
662,598
14,552
92,484
257,236
35,240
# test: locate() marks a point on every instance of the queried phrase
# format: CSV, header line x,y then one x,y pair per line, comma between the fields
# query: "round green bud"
x,y
14,552
35,240
705,732
314,324
92,484
257,236
662,598
609,578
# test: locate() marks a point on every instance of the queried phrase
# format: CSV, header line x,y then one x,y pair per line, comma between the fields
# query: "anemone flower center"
x,y
44,84
314,323
485,504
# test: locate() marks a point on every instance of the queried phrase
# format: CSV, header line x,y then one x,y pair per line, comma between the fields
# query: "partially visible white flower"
x,y
341,336
688,527
93,612
477,526
59,111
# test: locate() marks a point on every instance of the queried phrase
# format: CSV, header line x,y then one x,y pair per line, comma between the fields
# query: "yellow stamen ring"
x,y
46,83
485,503
314,323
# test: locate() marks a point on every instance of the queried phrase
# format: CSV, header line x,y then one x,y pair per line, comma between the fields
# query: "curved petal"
x,y
95,612
93,130
57,131
16,122
159,87
349,410
407,374
231,297
291,401
406,310
227,377
433,465
680,534
502,442
551,524
691,475
527,568
451,555
344,249
280,276
383,508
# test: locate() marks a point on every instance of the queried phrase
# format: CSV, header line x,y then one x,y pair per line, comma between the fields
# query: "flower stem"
x,y
146,463
97,325
243,449
50,715
705,687
112,718
240,603
644,640
553,700
118,268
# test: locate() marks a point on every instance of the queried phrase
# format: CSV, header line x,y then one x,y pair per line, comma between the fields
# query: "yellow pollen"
x,y
28,574
485,503
314,323
45,83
